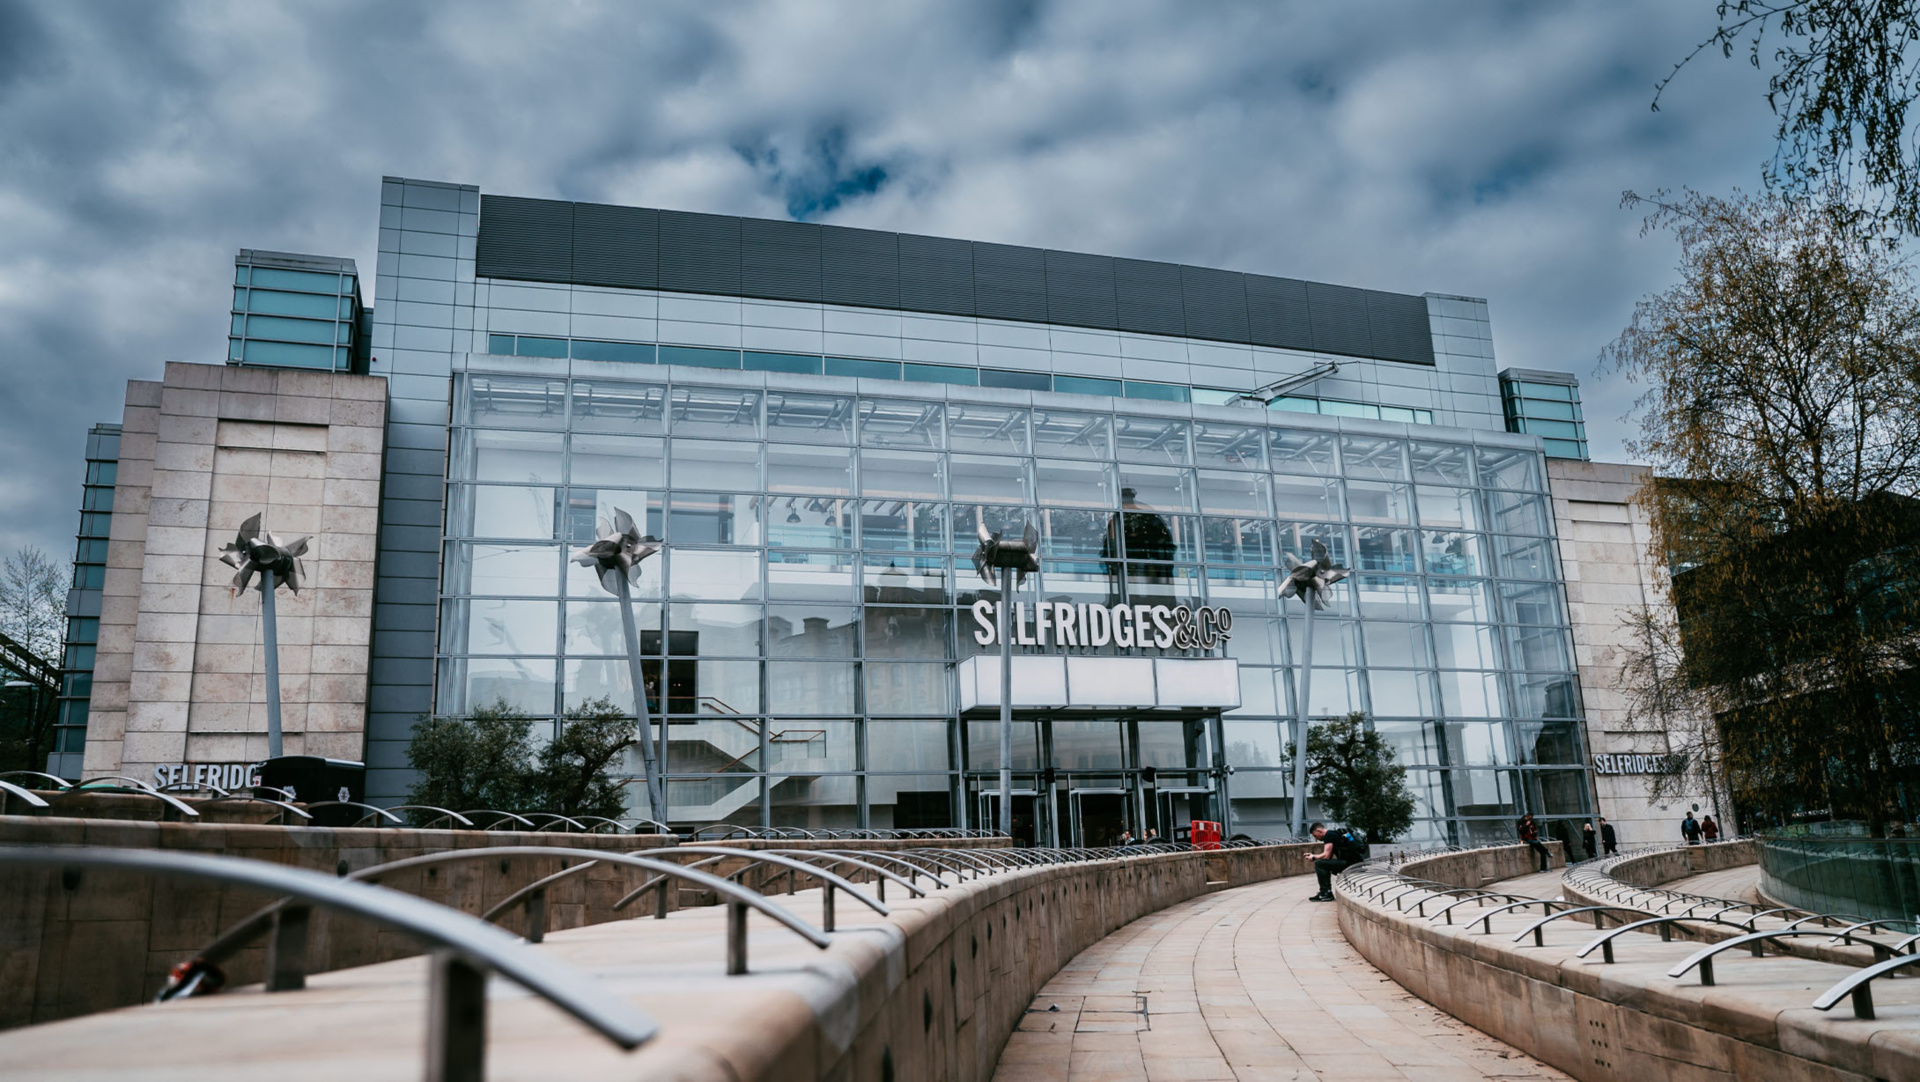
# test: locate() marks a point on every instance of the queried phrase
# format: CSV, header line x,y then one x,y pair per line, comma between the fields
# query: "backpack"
x,y
1347,845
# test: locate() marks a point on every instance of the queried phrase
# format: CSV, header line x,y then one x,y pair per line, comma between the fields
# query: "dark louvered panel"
x,y
1216,303
1147,297
1339,315
780,260
936,275
1277,312
699,253
860,267
616,246
1080,290
1009,282
1399,327
528,239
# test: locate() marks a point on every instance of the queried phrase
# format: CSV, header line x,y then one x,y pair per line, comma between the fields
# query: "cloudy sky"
x,y
1473,147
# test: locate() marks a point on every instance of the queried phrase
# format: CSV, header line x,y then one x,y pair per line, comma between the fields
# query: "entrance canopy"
x,y
1066,683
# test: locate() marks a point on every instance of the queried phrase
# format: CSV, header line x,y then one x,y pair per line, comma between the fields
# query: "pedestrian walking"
x,y
1587,838
1608,839
1690,829
1531,835
1340,849
1709,829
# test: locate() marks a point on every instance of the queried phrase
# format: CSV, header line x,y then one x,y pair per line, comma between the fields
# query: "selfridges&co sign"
x,y
1062,624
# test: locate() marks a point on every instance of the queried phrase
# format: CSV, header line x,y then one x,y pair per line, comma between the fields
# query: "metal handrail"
x,y
220,794
33,799
597,820
121,781
1859,985
470,948
914,871
664,828
1467,894
1755,942
840,857
556,817
1856,928
1665,923
504,816
1486,918
371,809
534,897
1536,928
444,815
59,783
828,880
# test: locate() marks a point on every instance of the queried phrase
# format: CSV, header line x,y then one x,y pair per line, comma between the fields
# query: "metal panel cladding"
x,y
936,275
616,246
1080,290
699,253
527,239
860,267
1009,282
780,260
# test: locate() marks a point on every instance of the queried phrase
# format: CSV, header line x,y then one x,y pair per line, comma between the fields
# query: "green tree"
x,y
1351,768
575,775
484,761
1782,421
33,615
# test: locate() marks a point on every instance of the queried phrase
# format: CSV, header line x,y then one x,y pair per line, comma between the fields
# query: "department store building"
x,y
818,421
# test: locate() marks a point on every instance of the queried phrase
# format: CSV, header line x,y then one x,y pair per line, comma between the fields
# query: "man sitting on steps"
x,y
1341,849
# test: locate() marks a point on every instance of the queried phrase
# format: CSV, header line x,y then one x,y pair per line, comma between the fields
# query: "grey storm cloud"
x,y
1469,148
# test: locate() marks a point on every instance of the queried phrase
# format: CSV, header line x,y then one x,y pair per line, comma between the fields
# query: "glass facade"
x,y
297,311
83,601
1547,405
806,615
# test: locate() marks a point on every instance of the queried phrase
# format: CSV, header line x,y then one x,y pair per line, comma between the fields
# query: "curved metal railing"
x,y
467,950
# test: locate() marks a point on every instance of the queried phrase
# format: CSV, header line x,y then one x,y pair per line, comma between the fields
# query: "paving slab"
x,y
1252,983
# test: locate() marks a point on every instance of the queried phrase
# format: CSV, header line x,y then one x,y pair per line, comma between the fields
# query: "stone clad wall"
x,y
1628,1020
1668,865
1478,867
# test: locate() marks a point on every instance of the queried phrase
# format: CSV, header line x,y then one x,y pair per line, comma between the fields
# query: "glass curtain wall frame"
x,y
816,560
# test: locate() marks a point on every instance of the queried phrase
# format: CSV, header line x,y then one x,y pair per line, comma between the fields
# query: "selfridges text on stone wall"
x,y
180,670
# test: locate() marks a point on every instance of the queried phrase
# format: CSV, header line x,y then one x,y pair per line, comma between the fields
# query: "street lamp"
x,y
1309,582
277,563
616,557
1011,558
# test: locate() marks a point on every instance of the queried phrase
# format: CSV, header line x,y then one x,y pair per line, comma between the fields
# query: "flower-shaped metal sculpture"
x,y
616,557
1019,556
257,553
1309,581
618,552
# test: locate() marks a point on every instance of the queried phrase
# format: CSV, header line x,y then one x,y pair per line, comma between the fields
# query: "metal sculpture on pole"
x,y
1011,558
616,558
1309,582
277,563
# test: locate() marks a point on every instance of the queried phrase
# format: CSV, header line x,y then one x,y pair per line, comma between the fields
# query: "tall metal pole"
x,y
270,631
654,795
1006,703
1304,688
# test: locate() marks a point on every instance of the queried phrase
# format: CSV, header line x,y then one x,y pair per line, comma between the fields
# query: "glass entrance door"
x,y
1030,815
1099,816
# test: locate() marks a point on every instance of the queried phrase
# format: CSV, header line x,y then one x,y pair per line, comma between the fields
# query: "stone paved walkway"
x,y
1250,983
1740,884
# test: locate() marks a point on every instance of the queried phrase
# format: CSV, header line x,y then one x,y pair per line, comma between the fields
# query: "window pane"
x,y
594,630
712,411
1238,541
523,683
826,470
900,423
1518,513
1374,458
1152,439
1383,549
1157,488
862,369
1464,646
1509,469
810,576
714,575
502,511
814,522
1388,597
812,687
994,429
810,418
903,526
1066,434
1065,483
941,373
912,688
1296,539
989,480
527,458
700,358
589,512
1372,501
1451,552
710,630
907,745
518,570
902,474
628,352
1470,695
1086,385
1457,507
1395,645
1442,463
1228,493
584,582
812,630
922,634
610,406
1303,454
905,579
1400,694
781,362
1306,497
1252,743
493,626
1459,600
618,461
1224,446
1524,557
527,346
716,464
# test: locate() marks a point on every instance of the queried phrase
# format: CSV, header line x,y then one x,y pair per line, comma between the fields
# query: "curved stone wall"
x,y
1629,1020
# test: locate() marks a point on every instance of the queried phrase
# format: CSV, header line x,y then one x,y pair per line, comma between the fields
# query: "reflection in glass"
x,y
989,480
815,522
903,475
899,687
1065,483
611,406
1157,488
888,422
983,746
1451,552
1238,541
909,633
716,411
617,461
707,518
494,626
716,464
1464,646
1469,694
994,429
527,458
1151,439
525,684
708,575
1061,434
810,576
903,526
1088,745
715,630
508,511
1442,463
812,630
904,580
1234,447
1248,743
1374,457
513,402
908,745
827,470
1383,549
518,570
1400,694
810,418
585,509
811,687
593,628
911,802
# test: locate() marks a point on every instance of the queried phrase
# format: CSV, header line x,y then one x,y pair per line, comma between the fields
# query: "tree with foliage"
x,y
484,761
1662,703
1351,768
1782,419
1842,78
33,614
575,776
